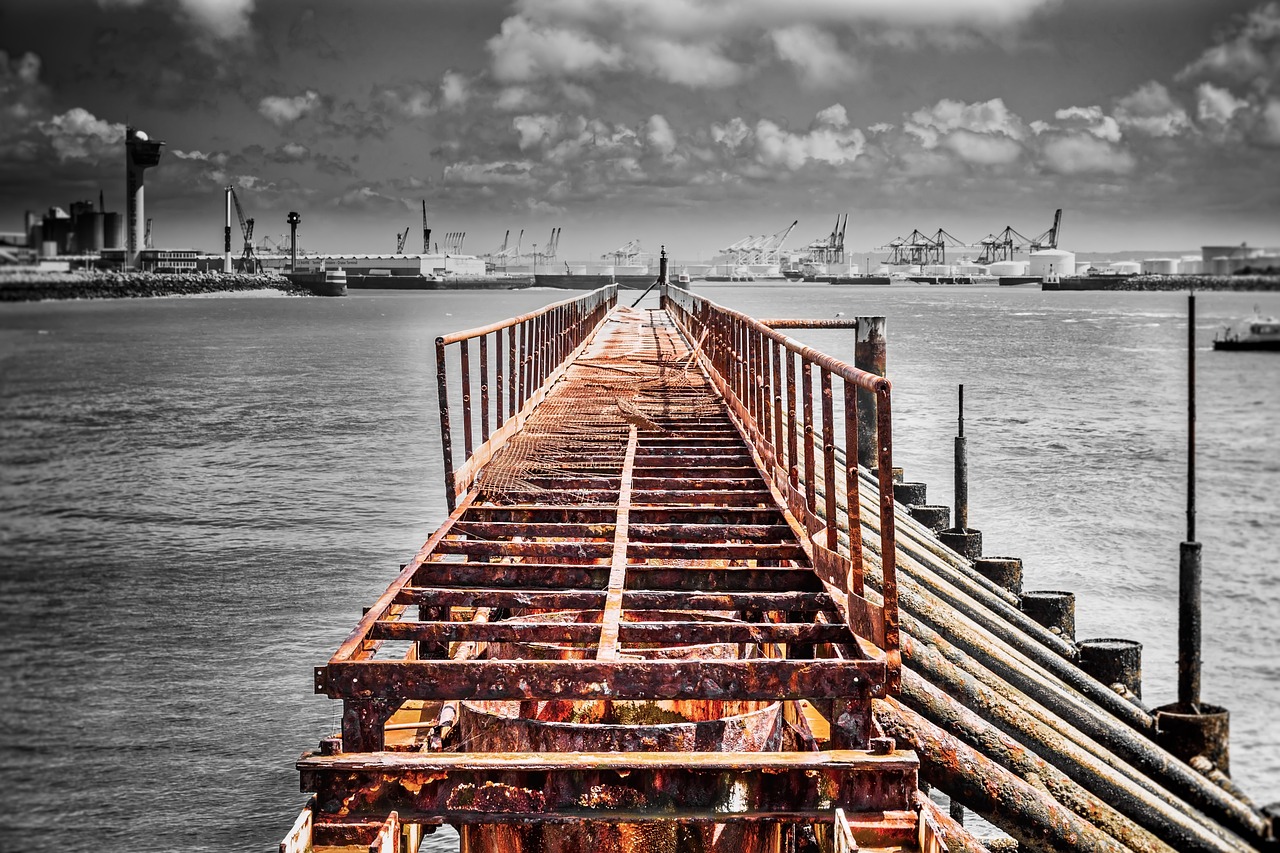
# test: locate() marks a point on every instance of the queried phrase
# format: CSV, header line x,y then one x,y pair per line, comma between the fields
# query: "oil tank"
x,y
1124,268
113,231
90,232
1159,266
1082,267
1002,268
1191,265
1052,262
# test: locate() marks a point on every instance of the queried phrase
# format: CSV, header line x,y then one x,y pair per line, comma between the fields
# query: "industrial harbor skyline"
x,y
689,123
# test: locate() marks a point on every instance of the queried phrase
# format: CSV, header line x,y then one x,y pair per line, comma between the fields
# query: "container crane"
x,y
248,258
426,232
1049,239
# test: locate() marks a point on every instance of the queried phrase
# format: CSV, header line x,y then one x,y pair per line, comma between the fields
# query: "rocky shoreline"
x,y
1167,282
109,284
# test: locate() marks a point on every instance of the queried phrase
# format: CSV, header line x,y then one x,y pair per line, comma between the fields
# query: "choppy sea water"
x,y
199,495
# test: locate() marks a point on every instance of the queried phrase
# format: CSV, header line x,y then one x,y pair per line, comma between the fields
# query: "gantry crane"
x,y
400,238
1049,239
248,258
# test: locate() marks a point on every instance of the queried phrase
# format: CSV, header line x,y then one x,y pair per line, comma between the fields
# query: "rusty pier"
x,y
670,611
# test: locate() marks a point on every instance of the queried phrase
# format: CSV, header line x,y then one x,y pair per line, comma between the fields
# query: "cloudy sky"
x,y
1155,124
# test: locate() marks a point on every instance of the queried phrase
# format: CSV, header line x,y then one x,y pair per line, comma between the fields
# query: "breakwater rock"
x,y
1166,282
112,284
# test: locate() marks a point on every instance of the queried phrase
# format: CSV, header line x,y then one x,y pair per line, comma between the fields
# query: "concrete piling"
x,y
933,516
1055,609
1005,572
1113,661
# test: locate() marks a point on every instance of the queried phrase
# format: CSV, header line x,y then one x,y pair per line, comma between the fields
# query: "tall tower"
x,y
141,153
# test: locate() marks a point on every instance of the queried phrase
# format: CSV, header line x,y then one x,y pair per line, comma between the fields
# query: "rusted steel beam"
x,y
795,323
717,550
588,679
953,717
506,529
526,575
505,598
1027,813
765,602
607,639
723,579
584,549
663,633
701,532
649,786
1096,769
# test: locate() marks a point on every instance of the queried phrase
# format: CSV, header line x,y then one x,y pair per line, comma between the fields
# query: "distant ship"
x,y
321,282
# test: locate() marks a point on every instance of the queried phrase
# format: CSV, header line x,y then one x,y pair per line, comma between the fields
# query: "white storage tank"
x,y
970,269
1082,267
1002,268
1220,265
1053,262
1124,268
938,269
1191,265
1159,266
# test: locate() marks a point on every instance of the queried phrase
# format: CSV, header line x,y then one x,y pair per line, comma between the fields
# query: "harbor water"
x,y
198,495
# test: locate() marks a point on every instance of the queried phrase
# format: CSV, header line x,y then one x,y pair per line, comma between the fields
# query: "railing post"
x,y
853,499
869,354
446,438
888,540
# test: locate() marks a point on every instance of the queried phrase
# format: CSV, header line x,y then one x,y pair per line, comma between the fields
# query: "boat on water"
x,y
1256,333
321,282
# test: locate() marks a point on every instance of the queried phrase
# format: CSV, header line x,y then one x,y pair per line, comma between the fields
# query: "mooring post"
x,y
961,538
1189,727
869,354
962,468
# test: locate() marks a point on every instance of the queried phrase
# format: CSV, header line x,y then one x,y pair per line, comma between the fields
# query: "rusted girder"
x,y
585,679
1027,813
688,786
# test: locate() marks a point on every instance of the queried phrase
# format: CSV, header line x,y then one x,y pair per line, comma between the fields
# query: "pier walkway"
x,y
664,613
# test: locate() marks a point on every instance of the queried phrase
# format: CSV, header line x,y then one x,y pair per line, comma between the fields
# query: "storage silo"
x,y
90,232
1053,262
113,231
1003,268
1124,268
1191,265
1159,266
1220,265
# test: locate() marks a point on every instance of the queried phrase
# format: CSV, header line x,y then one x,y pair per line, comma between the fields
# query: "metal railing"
x,y
518,360
794,432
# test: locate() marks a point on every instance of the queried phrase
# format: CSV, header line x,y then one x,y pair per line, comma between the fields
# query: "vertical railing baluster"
x,y
776,360
499,419
853,499
484,388
446,435
888,550
829,459
793,452
464,348
810,485
513,373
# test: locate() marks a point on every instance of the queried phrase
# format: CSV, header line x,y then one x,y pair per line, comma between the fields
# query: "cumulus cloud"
x,y
983,149
1090,119
1266,131
660,136
524,51
22,94
502,173
830,140
713,43
929,125
406,101
1215,104
281,110
816,55
223,19
455,91
78,135
1246,54
1083,153
1150,109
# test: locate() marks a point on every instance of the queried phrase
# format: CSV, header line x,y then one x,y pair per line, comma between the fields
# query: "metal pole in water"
x,y
962,471
1189,551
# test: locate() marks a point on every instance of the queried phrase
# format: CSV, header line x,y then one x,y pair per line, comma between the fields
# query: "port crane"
x,y
921,249
453,242
626,255
550,248
829,249
426,231
1049,239
248,259
400,238
765,249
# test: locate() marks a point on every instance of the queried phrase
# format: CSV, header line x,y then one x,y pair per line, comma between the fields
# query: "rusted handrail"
x,y
755,368
537,345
